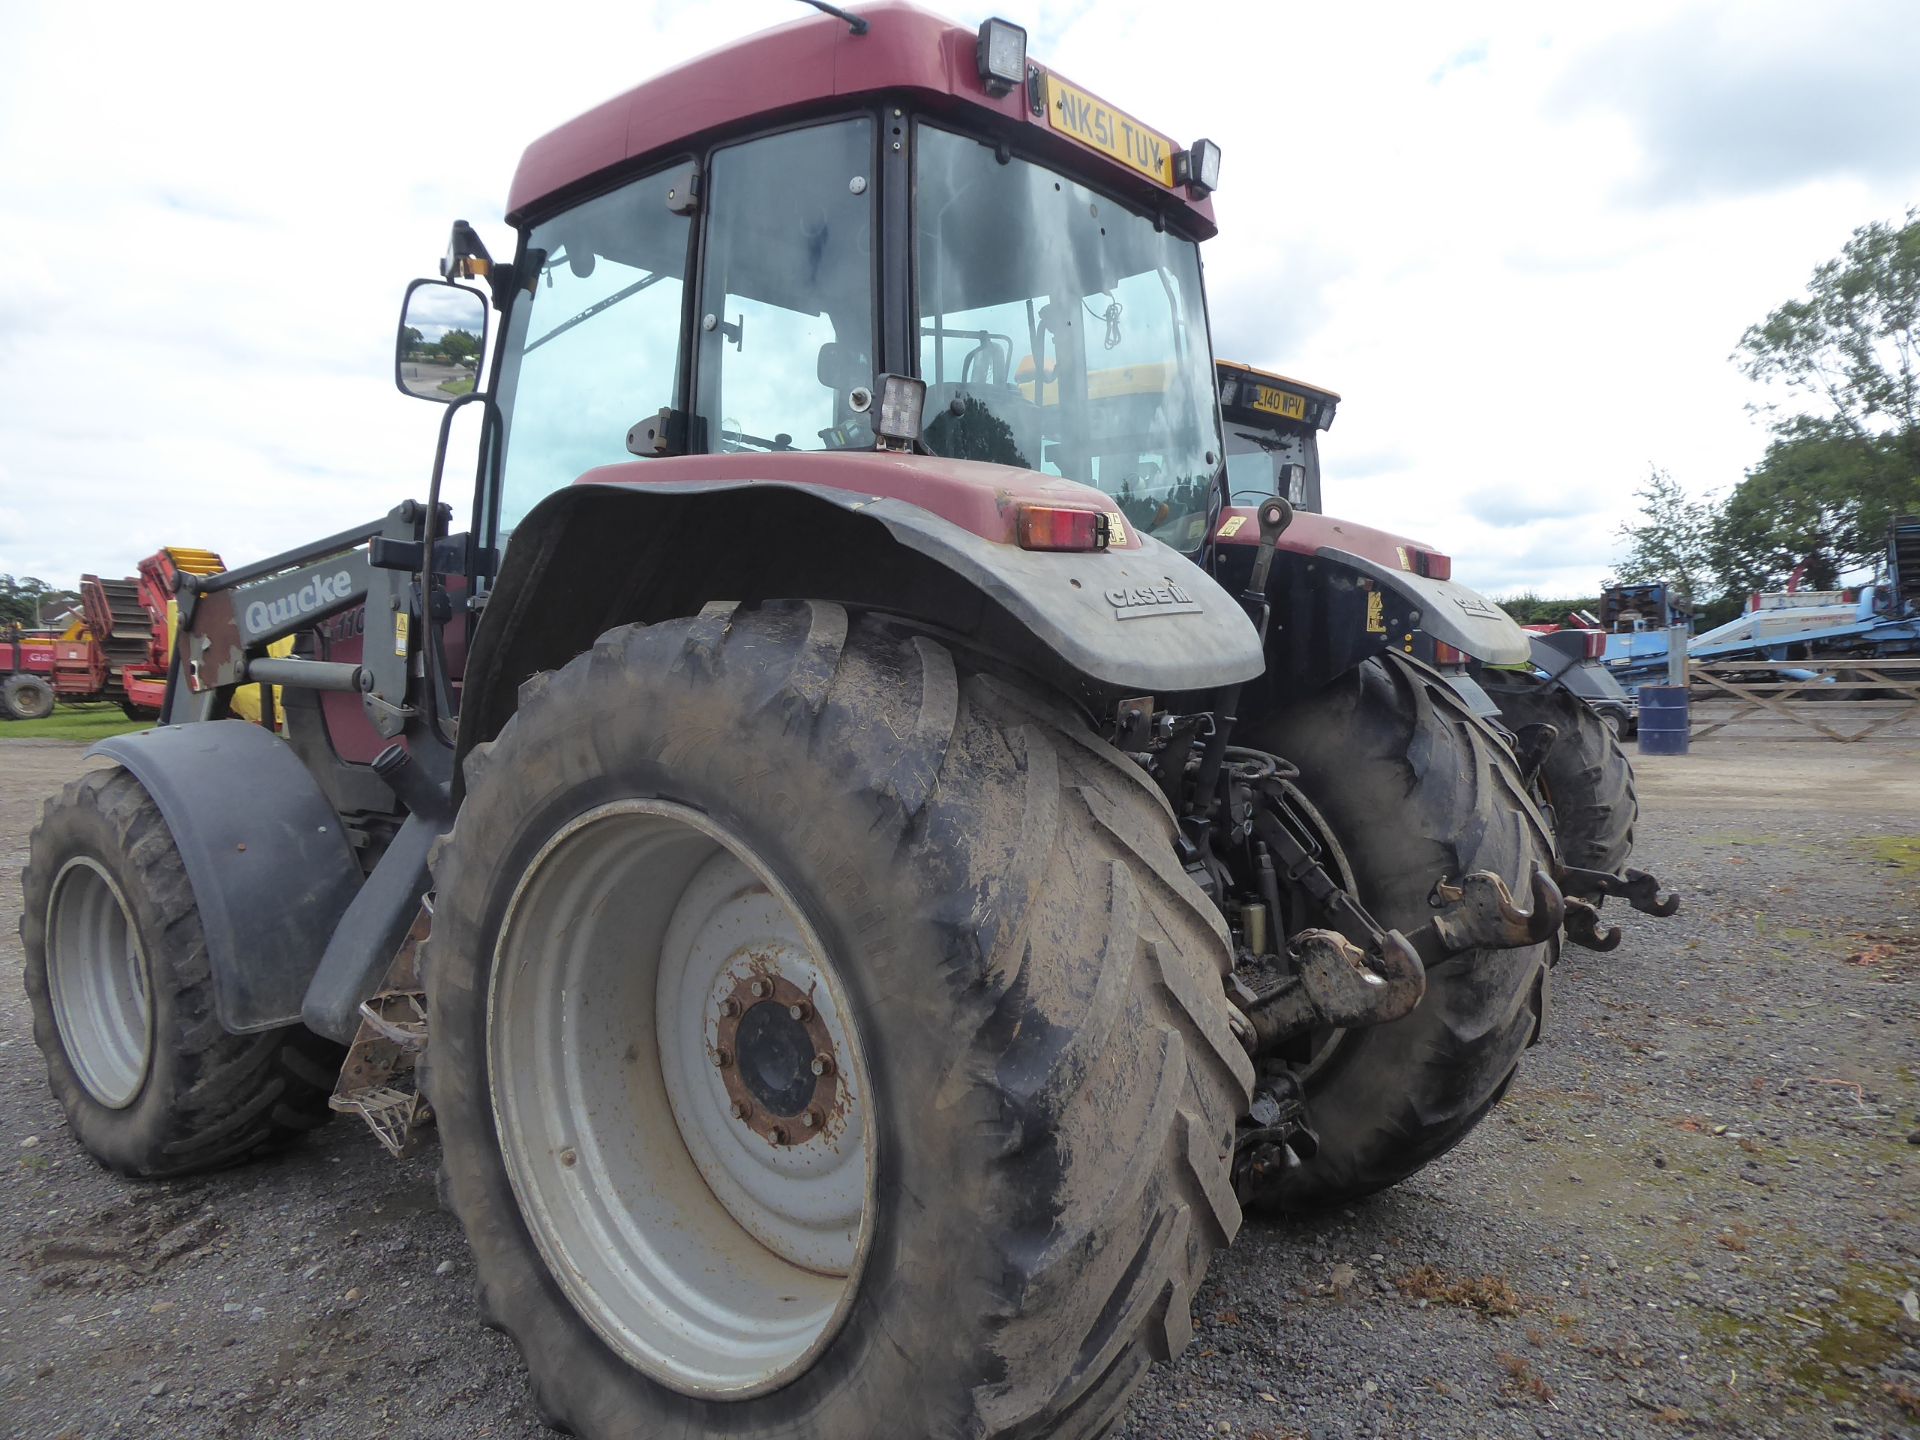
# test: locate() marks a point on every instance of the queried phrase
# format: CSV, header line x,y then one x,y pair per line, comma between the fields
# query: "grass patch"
x,y
1900,851
74,722
462,385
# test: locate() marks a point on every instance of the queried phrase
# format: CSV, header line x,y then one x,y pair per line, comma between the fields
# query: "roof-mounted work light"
x,y
1002,55
896,418
1198,169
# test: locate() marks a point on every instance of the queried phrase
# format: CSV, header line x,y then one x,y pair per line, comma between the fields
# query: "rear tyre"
x,y
1586,777
122,999
1414,789
999,1213
26,697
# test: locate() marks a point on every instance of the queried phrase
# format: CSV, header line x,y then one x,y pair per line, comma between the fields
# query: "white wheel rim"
x,y
97,982
708,1220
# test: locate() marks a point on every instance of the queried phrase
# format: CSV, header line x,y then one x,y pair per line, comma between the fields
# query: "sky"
x,y
1521,240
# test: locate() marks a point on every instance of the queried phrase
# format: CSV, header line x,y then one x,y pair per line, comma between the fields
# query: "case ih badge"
x,y
1130,602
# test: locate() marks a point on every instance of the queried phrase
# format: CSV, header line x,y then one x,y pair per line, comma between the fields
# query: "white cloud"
x,y
1520,240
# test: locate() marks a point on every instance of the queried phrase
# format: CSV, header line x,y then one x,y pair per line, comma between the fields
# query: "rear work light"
x,y
1198,169
1001,54
1596,644
898,407
1052,527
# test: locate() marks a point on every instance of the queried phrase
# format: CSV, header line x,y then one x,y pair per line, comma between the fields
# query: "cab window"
x,y
593,343
786,305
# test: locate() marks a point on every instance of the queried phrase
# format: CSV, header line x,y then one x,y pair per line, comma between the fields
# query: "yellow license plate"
x,y
1279,402
1096,123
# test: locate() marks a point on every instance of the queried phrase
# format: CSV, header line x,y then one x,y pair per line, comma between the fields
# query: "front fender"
x,y
1134,621
270,864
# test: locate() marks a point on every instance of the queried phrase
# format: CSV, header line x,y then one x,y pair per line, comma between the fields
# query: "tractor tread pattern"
x,y
1393,738
1587,777
211,1098
1097,1245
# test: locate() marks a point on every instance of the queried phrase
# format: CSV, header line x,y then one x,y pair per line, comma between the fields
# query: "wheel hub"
x,y
777,1061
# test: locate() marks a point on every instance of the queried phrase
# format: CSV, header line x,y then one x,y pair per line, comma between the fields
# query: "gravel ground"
x,y
1696,1212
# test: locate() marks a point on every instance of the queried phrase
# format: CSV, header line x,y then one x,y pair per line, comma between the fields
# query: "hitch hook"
x,y
1346,990
1639,889
1583,927
1481,913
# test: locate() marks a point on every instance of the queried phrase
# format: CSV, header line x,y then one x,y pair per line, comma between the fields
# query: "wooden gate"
x,y
1834,690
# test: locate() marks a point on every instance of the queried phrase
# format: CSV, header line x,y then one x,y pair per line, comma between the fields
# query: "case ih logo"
x,y
1133,601
319,594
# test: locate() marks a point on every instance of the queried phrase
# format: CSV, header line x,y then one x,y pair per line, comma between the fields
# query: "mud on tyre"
x,y
1021,990
1414,789
122,996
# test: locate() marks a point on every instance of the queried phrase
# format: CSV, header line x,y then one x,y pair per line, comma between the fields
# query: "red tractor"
x,y
1564,712
864,909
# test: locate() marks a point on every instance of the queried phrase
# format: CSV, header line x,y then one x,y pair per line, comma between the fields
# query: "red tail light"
x,y
1049,527
1596,644
1445,656
1430,563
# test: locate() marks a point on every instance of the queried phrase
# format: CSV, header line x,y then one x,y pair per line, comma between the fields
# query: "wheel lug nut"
x,y
812,1120
568,1158
822,1065
800,1011
741,1110
723,1057
729,1007
778,1134
761,988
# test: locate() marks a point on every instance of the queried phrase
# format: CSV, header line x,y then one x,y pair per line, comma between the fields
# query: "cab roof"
x,y
799,66
1301,387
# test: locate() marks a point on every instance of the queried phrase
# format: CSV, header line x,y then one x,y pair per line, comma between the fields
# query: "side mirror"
x,y
442,338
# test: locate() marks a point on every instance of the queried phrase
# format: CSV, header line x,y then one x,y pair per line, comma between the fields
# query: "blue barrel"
x,y
1665,720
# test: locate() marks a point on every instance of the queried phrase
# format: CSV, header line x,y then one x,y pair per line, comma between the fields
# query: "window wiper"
x,y
594,309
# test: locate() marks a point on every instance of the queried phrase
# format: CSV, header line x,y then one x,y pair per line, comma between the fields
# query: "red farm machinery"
x,y
115,651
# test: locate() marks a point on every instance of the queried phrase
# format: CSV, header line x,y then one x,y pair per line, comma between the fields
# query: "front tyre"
x,y
122,995
1413,789
825,1043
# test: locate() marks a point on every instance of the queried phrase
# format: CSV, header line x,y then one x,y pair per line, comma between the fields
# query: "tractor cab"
x,y
903,238
1272,428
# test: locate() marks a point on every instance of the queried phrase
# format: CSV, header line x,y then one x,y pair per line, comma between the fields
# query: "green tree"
x,y
28,600
458,345
1843,362
410,339
1675,541
1821,497
1528,608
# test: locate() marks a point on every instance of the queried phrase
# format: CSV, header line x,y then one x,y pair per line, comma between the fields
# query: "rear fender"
x,y
1449,613
1135,621
270,864
1565,663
